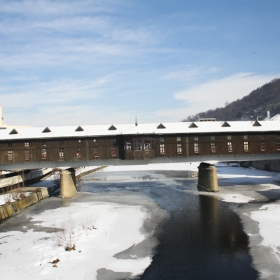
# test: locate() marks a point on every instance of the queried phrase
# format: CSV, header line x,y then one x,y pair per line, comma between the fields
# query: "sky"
x,y
108,61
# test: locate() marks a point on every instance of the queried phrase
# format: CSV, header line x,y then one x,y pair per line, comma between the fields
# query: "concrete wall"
x,y
12,208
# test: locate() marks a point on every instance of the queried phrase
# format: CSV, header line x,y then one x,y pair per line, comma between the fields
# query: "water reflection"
x,y
202,240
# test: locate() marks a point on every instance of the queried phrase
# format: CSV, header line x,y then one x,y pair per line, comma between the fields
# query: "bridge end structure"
x,y
207,178
67,183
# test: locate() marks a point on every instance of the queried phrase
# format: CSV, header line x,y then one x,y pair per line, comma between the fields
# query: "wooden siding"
x,y
136,147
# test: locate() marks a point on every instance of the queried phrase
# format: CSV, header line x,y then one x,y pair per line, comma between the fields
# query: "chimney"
x,y
268,115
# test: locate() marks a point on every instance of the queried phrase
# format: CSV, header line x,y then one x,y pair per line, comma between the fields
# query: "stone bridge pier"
x,y
67,183
207,178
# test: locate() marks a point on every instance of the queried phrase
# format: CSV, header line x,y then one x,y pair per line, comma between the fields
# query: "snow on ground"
x,y
268,217
190,166
11,197
240,173
27,254
106,230
235,198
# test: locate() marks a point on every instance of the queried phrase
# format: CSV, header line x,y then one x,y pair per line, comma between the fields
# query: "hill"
x,y
253,106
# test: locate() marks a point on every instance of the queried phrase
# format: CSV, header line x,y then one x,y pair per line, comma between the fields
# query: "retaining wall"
x,y
12,208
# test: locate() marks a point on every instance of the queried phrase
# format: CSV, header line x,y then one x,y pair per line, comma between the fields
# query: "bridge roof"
x,y
132,129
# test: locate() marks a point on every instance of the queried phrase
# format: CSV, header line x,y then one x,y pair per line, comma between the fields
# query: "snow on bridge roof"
x,y
132,129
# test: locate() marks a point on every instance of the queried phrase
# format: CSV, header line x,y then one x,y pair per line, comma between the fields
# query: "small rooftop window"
x,y
79,128
46,130
14,131
112,127
161,126
256,123
225,124
192,125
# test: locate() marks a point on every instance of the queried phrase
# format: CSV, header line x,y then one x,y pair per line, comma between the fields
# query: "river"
x,y
200,238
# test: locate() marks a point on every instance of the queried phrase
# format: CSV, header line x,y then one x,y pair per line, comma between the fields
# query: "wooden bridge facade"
x,y
136,144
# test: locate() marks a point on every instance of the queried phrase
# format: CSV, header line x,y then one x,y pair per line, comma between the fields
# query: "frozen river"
x,y
201,238
150,222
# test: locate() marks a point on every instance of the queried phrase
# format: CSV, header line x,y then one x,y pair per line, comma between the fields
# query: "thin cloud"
x,y
55,92
53,7
226,89
181,75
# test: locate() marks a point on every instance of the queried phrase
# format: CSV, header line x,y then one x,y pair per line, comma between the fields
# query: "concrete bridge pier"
x,y
207,178
67,183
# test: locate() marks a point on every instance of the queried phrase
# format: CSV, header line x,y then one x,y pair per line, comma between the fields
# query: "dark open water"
x,y
202,239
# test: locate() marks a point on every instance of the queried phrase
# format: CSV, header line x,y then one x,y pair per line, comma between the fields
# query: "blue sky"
x,y
105,61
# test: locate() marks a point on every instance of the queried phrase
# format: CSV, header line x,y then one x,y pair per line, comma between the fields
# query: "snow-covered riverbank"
x,y
99,230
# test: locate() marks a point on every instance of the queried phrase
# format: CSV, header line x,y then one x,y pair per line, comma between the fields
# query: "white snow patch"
x,y
269,226
190,166
28,254
12,196
236,198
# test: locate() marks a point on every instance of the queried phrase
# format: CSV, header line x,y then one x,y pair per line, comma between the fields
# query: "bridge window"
x,y
44,154
161,149
61,153
261,136
128,146
179,149
178,139
61,143
278,146
195,148
96,152
229,145
212,138
262,146
138,145
10,155
161,139
113,152
114,142
246,147
26,144
229,137
78,152
213,147
147,145
245,136
26,155
195,138
44,144
10,145
277,136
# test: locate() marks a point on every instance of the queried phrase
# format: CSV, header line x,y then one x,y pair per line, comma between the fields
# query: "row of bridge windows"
x,y
61,153
61,143
138,144
229,147
179,149
146,147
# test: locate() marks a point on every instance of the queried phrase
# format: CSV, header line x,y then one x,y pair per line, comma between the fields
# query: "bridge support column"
x,y
67,183
207,178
